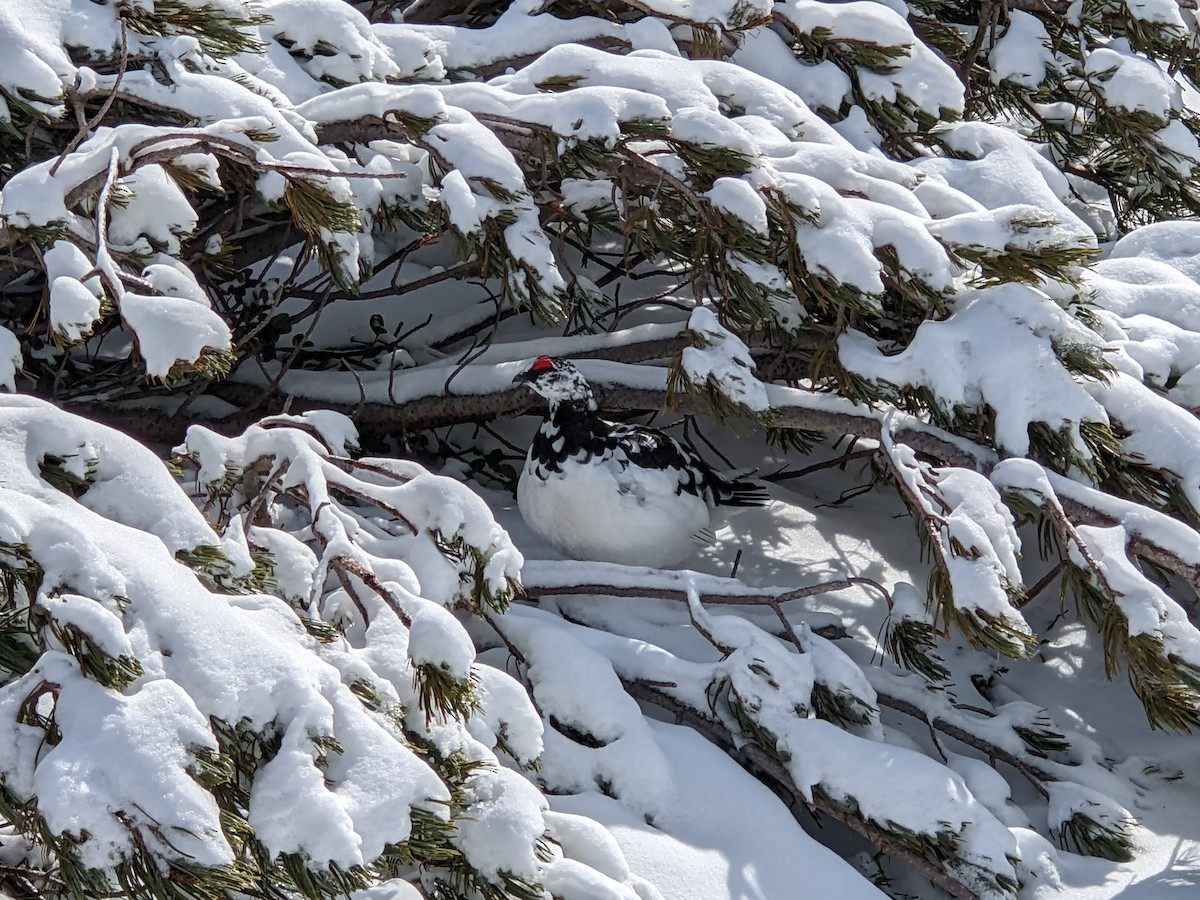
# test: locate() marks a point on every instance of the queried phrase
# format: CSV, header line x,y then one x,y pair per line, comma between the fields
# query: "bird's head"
x,y
558,381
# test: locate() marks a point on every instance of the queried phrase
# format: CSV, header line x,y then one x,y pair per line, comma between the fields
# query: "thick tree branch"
x,y
830,630
797,409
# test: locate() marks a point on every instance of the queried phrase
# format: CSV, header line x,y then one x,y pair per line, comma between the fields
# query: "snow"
x,y
696,879
1147,608
682,85
102,627
37,65
507,716
358,55
1131,82
724,836
822,86
156,209
1162,434
1151,313
170,330
973,534
502,822
1008,228
737,198
74,308
723,361
11,358
576,687
1158,12
240,659
924,80
1175,243
122,764
1067,799
1163,530
1022,54
436,639
770,683
295,564
1002,169
588,842
671,815
996,349
172,279
847,766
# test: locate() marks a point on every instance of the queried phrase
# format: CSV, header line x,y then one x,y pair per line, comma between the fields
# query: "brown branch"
x,y
708,599
1043,583
104,107
437,410
771,600
371,580
987,20
1041,7
1034,775
342,488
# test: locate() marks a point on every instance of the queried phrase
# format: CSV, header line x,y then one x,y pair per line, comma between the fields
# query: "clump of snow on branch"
x,y
974,544
719,361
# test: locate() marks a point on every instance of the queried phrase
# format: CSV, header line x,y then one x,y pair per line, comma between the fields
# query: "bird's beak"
x,y
524,377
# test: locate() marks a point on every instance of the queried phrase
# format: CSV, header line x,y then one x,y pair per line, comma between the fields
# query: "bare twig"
x,y
104,107
1043,583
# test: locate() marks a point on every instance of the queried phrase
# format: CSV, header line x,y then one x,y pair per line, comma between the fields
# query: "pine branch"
x,y
758,762
654,589
1032,773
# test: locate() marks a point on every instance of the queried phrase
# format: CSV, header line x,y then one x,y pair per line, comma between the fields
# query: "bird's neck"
x,y
573,412
572,429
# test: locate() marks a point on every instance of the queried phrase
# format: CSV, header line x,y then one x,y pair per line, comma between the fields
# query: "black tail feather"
x,y
742,493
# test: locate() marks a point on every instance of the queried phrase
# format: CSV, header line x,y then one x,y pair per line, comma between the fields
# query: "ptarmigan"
x,y
602,491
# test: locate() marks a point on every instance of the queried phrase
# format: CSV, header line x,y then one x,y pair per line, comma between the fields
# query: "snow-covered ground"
x,y
729,837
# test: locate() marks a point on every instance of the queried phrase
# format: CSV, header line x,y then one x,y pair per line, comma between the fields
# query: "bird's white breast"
x,y
599,511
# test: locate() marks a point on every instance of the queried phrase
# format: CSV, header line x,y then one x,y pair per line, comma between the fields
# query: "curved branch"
x,y
1033,774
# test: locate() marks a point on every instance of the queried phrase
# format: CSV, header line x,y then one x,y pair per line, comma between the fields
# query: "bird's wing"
x,y
645,452
652,450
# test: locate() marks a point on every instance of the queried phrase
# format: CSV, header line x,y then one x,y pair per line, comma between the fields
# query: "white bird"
x,y
598,490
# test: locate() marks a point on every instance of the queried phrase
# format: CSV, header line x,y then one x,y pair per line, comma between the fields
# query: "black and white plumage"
x,y
602,491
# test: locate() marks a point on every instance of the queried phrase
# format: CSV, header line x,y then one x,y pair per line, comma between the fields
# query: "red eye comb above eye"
x,y
542,364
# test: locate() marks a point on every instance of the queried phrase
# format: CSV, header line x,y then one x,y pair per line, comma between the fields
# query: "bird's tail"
x,y
740,492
